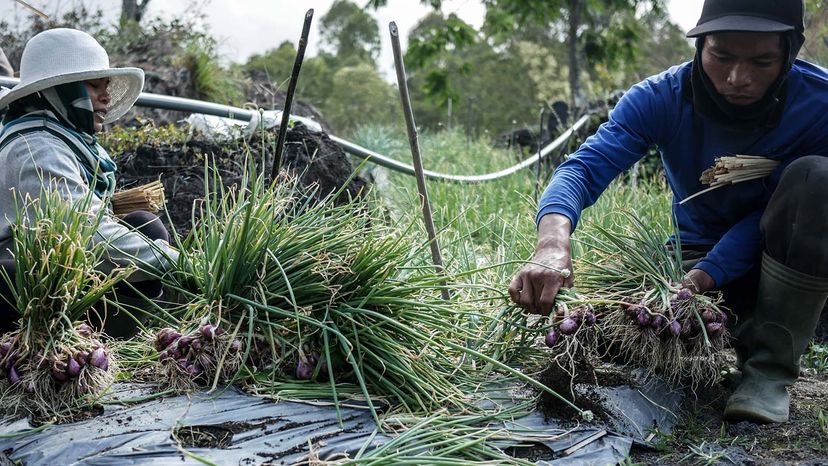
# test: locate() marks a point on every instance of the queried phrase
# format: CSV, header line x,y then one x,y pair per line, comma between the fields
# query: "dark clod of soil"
x,y
308,155
564,384
37,420
203,436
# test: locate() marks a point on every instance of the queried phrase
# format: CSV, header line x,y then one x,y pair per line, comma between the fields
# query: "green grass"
x,y
816,358
483,225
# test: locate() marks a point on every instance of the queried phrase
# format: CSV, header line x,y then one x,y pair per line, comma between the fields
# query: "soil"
x,y
37,420
308,155
702,437
203,436
564,384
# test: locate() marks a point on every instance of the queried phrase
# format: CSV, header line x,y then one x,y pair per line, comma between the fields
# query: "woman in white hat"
x,y
67,92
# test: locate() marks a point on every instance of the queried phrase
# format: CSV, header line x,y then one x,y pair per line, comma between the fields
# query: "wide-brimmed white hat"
x,y
59,56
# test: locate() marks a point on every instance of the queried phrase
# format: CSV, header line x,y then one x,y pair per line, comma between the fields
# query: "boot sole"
x,y
737,412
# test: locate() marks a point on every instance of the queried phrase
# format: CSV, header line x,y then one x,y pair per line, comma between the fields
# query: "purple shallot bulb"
x,y
304,371
166,337
714,329
13,377
184,342
684,294
589,318
643,318
194,370
98,358
708,316
84,330
658,322
551,338
208,331
59,374
73,368
568,326
164,356
675,328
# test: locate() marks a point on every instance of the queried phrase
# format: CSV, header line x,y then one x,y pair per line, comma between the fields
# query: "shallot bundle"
x,y
632,278
68,376
677,338
199,357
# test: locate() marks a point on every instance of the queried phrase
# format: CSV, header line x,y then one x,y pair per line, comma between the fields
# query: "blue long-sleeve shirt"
x,y
655,112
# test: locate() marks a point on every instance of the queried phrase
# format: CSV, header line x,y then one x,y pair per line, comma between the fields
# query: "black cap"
x,y
750,16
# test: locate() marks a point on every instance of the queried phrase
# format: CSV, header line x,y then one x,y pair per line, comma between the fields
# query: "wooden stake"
x,y
294,76
411,127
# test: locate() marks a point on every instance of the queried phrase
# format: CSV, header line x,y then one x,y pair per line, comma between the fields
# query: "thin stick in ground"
x,y
413,141
294,76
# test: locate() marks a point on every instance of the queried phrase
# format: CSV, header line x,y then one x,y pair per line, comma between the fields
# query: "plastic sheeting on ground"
x,y
256,431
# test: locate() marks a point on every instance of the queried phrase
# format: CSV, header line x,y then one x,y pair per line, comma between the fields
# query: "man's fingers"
x,y
515,287
527,296
547,297
569,282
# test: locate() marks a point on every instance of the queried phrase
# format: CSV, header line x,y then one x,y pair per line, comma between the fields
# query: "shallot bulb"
x,y
304,371
568,326
684,294
551,338
675,328
73,368
98,358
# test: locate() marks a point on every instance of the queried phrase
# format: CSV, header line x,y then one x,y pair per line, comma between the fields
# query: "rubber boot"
x,y
787,312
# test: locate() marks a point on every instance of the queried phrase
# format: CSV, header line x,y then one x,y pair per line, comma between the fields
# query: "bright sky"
x,y
246,27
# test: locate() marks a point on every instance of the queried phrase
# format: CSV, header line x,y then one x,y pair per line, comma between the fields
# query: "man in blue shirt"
x,y
764,243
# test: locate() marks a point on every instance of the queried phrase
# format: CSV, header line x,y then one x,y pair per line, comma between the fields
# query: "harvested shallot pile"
x,y
630,306
55,364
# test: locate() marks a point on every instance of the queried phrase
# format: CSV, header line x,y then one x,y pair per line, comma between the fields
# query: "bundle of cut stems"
x,y
148,197
53,365
318,292
325,295
735,169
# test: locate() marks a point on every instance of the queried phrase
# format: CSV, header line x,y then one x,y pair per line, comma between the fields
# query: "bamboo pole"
x,y
413,141
294,76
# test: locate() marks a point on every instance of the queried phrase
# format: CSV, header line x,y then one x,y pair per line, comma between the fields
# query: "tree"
x,y
431,46
314,85
816,32
358,94
133,10
350,33
590,28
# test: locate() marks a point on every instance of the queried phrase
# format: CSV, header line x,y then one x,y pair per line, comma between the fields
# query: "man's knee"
x,y
808,175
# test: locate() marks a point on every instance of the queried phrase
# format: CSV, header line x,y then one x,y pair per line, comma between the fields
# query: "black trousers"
x,y
794,229
148,224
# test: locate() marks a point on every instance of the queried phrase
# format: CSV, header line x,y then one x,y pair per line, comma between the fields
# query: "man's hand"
x,y
698,281
535,286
